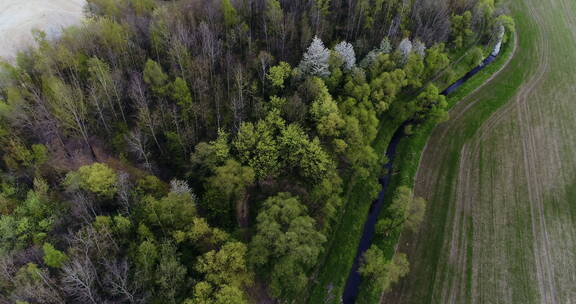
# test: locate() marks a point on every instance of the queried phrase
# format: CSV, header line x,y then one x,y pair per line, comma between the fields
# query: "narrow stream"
x,y
354,278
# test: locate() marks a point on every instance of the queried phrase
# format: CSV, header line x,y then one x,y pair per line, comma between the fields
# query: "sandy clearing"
x,y
19,17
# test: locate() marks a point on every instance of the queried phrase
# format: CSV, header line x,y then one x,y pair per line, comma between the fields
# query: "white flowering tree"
x,y
315,60
385,46
346,51
419,48
405,48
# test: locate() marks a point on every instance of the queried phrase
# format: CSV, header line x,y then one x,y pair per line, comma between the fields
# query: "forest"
x,y
200,151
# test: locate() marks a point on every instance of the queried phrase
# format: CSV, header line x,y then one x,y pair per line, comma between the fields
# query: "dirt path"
x,y
19,17
501,221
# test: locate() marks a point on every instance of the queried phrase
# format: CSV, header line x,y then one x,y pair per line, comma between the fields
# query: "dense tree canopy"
x,y
194,151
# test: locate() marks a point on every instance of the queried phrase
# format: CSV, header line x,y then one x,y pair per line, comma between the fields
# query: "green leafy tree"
x,y
172,212
226,191
461,30
97,178
379,272
229,12
324,110
414,70
155,77
258,148
53,257
226,266
430,104
278,74
286,243
405,210
436,60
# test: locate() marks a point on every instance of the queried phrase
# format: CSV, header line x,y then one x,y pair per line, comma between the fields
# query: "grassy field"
x,y
500,179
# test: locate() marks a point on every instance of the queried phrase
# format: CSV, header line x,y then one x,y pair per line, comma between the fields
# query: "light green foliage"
x,y
461,30
202,235
327,193
172,212
112,35
279,73
386,86
315,161
18,156
286,243
406,209
324,110
142,6
104,7
430,104
382,273
147,256
159,31
226,266
475,57
53,257
414,70
229,12
204,293
258,148
208,156
298,152
436,60
181,94
151,185
486,9
221,147
155,77
274,17
29,221
97,178
508,23
68,104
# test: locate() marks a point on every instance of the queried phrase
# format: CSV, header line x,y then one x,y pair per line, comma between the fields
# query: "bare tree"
x,y
137,144
80,280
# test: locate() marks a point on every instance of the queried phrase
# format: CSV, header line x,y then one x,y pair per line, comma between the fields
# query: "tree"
x,y
315,60
419,48
172,212
68,105
97,178
226,192
258,148
229,12
475,57
170,273
346,51
286,243
278,74
461,30
414,70
324,110
53,257
436,60
155,77
382,273
405,49
226,266
405,210
430,104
